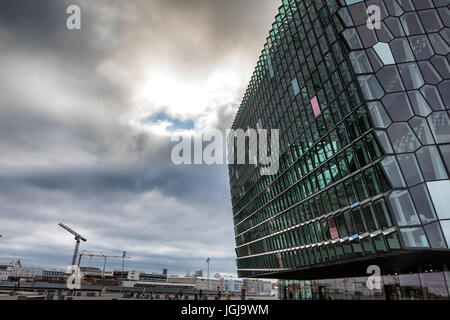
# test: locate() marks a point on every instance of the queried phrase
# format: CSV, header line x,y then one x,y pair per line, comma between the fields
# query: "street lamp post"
x,y
207,261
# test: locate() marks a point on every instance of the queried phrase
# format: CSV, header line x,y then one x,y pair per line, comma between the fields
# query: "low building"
x,y
153,277
130,276
200,283
4,274
53,276
26,273
91,271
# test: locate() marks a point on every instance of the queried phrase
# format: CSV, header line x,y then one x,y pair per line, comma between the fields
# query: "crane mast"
x,y
78,237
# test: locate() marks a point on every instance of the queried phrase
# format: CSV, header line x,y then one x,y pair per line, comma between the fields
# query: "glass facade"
x,y
363,114
420,286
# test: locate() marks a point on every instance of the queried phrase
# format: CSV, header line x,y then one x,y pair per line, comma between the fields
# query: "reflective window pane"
x,y
403,208
411,23
435,236
384,53
419,104
446,229
440,126
383,213
421,47
398,106
403,138
441,200
445,150
380,244
383,139
421,129
432,96
411,76
393,241
434,286
431,164
360,62
430,74
423,203
370,87
414,238
379,115
393,172
401,50
410,169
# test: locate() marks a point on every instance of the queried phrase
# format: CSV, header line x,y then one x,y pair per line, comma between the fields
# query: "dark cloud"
x,y
70,149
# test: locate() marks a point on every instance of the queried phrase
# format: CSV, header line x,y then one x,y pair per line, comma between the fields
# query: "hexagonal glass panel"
x,y
439,45
403,138
395,26
384,34
419,104
430,74
370,87
440,126
411,76
431,164
444,90
411,23
421,47
401,50
383,139
441,65
352,38
379,116
432,96
390,79
398,106
367,36
410,168
421,129
394,9
430,20
384,53
360,62
392,170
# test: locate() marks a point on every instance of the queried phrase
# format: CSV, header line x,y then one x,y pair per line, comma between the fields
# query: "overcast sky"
x,y
85,123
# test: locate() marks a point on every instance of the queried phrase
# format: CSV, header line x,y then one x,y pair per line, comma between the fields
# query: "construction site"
x,y
93,283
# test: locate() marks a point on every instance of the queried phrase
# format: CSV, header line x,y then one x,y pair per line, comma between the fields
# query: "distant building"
x,y
4,275
25,273
141,276
91,271
53,276
200,283
154,277
14,270
198,273
54,273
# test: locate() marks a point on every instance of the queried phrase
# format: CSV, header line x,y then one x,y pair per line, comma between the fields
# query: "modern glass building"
x,y
360,91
